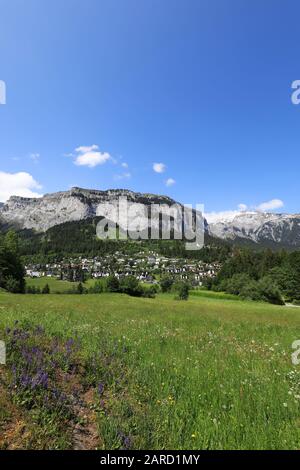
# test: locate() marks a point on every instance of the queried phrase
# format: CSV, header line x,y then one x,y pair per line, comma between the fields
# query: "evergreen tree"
x,y
11,268
46,289
80,288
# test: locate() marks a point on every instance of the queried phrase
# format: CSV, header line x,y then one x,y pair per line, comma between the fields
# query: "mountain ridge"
x,y
259,227
76,204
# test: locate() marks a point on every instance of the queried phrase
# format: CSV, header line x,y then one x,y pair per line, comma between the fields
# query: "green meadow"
x,y
207,373
57,286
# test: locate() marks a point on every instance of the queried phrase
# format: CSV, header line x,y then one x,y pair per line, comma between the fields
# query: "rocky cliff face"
x,y
53,209
260,227
78,204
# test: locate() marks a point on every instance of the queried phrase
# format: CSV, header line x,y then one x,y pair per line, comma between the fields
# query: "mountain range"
x,y
259,228
41,214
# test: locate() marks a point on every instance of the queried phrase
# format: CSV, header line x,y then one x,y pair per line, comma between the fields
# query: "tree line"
x,y
73,239
12,273
270,276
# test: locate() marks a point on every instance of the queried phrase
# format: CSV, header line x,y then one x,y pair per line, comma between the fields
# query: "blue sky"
x,y
98,91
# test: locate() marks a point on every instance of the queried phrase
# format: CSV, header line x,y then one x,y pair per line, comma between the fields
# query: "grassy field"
x,y
208,373
57,286
214,295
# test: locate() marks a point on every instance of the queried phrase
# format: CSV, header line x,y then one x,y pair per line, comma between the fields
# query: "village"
x,y
147,267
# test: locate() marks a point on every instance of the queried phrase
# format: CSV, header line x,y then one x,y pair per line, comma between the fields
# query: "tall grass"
x,y
208,373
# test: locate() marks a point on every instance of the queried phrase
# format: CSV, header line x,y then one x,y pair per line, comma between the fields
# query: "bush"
x,y
166,283
130,285
12,285
288,281
182,289
112,284
150,292
270,292
264,289
237,283
251,291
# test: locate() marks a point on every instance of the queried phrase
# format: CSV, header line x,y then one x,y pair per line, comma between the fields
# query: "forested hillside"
x,y
79,238
268,275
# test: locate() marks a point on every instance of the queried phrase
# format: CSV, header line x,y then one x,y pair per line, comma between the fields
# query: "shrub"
x,y
288,281
182,289
12,285
166,283
270,292
112,284
130,285
150,292
33,290
251,291
237,283
264,289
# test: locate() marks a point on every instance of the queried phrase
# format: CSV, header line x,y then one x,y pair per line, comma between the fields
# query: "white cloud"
x,y
90,156
124,165
228,216
85,149
270,205
18,184
159,167
170,182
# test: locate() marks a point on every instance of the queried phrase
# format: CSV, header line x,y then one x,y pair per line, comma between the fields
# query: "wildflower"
x,y
102,404
100,388
126,440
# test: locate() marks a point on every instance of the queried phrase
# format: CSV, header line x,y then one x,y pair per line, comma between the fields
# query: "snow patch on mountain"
x,y
257,227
